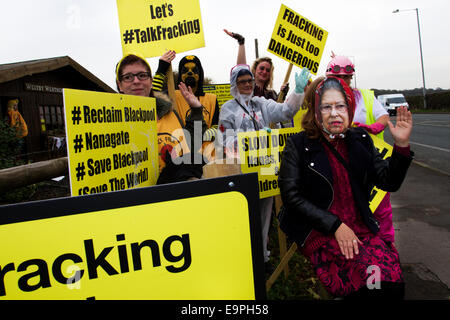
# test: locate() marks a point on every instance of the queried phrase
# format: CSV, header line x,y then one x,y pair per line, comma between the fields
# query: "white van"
x,y
391,102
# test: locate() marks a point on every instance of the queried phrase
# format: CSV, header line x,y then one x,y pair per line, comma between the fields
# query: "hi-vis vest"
x,y
170,138
369,96
208,101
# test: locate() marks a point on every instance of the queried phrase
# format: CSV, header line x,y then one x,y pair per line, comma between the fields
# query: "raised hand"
x,y
189,96
168,56
240,39
403,127
301,80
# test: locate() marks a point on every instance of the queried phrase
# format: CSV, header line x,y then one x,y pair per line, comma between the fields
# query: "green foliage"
x,y
301,284
436,101
10,147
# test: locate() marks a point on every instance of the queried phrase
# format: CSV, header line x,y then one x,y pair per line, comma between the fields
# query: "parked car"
x,y
391,102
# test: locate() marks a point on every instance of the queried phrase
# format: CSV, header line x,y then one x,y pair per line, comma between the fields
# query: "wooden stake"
x,y
282,96
280,267
171,86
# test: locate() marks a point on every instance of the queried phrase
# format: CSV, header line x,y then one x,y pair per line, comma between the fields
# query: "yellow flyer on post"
x,y
297,40
111,141
261,152
151,27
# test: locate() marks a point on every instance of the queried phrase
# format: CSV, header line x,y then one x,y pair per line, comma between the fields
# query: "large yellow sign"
x,y
200,247
111,141
297,40
151,27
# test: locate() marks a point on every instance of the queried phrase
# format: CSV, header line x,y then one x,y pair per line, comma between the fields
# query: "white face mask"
x,y
244,98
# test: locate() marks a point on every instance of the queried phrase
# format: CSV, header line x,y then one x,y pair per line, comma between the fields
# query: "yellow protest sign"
x,y
111,141
261,152
151,27
222,92
377,195
297,40
133,245
298,117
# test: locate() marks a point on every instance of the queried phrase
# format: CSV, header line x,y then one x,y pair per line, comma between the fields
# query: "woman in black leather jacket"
x,y
325,179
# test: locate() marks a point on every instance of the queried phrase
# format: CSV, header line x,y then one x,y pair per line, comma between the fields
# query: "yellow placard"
x,y
111,141
297,40
261,152
298,118
165,250
222,92
151,27
377,195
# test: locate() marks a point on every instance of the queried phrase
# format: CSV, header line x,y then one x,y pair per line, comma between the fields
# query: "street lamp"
x,y
421,55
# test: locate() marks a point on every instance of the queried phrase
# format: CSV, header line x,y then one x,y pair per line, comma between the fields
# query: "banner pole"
x,y
282,96
171,86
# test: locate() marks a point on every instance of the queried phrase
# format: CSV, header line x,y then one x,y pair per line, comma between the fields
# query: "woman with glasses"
x,y
325,179
262,69
133,76
370,115
247,112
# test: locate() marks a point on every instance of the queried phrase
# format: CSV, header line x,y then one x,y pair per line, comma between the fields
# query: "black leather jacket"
x,y
306,182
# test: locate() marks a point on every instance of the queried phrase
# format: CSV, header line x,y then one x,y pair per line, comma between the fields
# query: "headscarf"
x,y
236,72
349,99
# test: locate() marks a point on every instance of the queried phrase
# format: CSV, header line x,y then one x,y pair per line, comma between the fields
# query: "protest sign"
x,y
161,242
261,152
298,118
111,141
377,195
297,40
222,92
151,27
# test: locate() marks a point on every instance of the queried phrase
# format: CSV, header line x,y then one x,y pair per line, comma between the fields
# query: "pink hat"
x,y
340,65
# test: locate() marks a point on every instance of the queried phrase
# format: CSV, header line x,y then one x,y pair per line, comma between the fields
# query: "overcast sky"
x,y
384,45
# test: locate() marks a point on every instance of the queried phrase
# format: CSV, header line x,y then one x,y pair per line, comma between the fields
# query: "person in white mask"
x,y
247,112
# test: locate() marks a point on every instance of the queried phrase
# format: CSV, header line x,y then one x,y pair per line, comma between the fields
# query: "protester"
x,y
370,115
325,179
249,113
15,119
190,72
262,68
133,76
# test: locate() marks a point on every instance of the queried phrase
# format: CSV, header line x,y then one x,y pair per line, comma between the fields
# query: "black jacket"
x,y
306,182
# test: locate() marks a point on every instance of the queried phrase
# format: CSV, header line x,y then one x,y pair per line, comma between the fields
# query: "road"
x,y
430,140
421,210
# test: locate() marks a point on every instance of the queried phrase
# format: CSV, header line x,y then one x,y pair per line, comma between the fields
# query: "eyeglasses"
x,y
327,108
337,68
129,77
249,81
